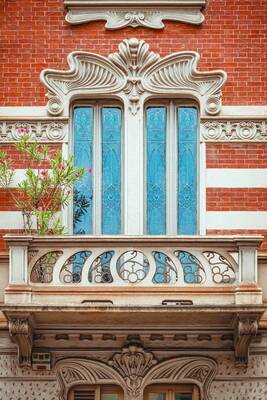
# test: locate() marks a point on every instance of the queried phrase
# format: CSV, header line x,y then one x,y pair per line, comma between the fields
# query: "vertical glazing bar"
x,y
156,170
187,170
83,157
111,170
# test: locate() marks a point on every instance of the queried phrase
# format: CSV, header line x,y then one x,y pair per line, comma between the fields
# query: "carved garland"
x,y
136,72
133,369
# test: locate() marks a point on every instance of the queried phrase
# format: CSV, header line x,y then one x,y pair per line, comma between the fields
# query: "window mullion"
x,y
97,173
171,168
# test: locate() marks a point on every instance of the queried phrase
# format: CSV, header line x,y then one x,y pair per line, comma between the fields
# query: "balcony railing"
x,y
83,269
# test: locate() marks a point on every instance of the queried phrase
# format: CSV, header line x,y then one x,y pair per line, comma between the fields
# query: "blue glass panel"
x,y
192,267
156,170
83,157
111,170
187,170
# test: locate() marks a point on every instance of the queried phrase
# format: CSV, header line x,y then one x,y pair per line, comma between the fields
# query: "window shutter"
x,y
84,395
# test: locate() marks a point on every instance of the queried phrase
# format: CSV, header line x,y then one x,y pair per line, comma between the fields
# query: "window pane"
x,y
157,396
111,170
156,170
187,170
184,396
83,157
109,396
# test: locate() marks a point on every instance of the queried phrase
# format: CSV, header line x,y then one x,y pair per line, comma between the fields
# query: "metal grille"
x,y
84,395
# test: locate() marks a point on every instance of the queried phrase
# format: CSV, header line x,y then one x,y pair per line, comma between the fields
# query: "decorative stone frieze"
x,y
148,13
20,330
43,131
246,329
135,72
233,130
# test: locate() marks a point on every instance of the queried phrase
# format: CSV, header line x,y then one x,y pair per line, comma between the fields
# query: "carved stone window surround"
x,y
147,13
133,369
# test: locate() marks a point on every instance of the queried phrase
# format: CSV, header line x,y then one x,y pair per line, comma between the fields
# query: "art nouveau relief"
x,y
133,369
133,74
146,13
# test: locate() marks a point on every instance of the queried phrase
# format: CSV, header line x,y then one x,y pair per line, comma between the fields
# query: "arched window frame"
x,y
133,75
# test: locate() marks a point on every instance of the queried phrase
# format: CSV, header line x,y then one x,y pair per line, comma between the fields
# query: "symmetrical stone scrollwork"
x,y
196,370
246,328
43,131
133,362
234,130
21,332
133,369
134,71
119,14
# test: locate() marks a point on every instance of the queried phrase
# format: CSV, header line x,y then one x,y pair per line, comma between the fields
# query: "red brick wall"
x,y
34,36
236,155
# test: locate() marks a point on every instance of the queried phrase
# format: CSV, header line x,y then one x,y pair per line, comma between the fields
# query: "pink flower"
x,y
27,130
12,169
43,173
62,167
40,209
20,131
89,170
69,190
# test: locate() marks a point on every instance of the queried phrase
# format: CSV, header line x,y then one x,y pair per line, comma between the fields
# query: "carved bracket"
x,y
246,327
147,13
134,71
20,330
133,369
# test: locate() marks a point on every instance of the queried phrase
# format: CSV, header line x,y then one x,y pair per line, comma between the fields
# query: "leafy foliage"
x,y
43,192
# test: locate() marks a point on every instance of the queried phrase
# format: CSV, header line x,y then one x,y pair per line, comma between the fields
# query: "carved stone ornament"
x,y
43,131
147,13
132,363
133,369
136,72
234,130
21,333
245,329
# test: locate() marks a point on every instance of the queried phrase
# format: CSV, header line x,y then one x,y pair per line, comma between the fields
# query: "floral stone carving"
x,y
148,13
135,72
134,368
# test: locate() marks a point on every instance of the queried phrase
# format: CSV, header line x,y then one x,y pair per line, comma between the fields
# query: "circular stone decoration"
x,y
132,266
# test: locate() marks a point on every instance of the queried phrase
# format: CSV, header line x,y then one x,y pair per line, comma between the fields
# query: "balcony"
x,y
202,283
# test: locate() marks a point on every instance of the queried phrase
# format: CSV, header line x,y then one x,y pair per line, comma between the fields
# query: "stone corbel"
x,y
246,327
20,329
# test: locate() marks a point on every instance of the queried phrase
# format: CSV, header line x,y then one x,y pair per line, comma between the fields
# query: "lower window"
x,y
96,393
155,392
175,392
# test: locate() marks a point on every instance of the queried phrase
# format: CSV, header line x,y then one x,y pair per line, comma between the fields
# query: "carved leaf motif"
x,y
133,363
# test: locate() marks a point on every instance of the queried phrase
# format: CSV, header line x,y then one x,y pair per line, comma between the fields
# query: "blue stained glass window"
x,y
111,170
83,157
187,170
156,169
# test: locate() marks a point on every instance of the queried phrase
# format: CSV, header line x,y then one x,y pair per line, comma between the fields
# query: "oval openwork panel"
x,y
132,266
71,271
192,267
99,271
166,271
222,270
42,271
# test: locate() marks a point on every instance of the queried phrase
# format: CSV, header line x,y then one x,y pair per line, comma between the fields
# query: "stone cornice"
x,y
148,13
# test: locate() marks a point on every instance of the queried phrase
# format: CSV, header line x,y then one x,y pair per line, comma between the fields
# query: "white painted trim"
x,y
11,220
230,112
236,178
236,220
202,188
